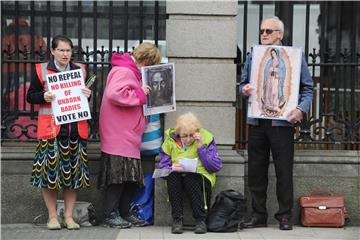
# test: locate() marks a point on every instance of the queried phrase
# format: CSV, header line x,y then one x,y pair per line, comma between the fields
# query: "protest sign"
x,y
70,104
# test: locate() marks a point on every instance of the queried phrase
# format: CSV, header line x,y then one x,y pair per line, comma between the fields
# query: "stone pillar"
x,y
201,39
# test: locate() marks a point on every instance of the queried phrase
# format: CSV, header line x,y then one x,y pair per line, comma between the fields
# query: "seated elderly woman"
x,y
189,142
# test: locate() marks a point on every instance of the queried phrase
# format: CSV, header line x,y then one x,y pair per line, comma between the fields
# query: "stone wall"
x,y
336,171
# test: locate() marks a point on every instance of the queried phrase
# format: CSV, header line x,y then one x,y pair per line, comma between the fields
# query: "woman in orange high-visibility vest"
x,y
61,154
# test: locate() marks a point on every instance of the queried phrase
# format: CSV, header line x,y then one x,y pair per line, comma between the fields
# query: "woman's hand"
x,y
177,167
49,96
147,89
86,91
198,139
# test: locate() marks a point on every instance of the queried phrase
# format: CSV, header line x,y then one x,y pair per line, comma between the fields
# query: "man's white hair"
x,y
277,20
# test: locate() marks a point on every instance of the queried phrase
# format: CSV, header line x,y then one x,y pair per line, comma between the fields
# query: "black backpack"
x,y
227,212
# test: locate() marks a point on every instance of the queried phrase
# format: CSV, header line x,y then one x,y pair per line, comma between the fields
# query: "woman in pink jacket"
x,y
122,124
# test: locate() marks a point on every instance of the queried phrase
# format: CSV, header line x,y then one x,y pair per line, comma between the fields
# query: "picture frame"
x,y
161,79
275,80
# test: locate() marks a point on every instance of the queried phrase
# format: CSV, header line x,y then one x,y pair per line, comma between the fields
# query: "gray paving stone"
x,y
31,232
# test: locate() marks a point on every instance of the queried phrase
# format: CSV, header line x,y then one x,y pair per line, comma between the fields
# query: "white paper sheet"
x,y
189,165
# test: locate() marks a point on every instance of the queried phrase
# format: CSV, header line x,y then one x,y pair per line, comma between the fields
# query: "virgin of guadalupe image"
x,y
272,99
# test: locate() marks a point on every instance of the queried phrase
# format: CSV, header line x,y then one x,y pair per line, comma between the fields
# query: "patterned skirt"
x,y
61,163
117,169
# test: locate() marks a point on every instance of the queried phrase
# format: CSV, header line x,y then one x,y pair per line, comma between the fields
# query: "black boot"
x,y
116,221
135,221
200,227
177,226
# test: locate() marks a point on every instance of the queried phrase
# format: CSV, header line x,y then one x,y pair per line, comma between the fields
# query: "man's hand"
x,y
247,89
177,167
49,96
295,116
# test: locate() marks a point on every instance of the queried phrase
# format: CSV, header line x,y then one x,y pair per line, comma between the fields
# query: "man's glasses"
x,y
63,50
268,31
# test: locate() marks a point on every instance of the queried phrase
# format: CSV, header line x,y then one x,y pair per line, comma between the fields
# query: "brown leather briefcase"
x,y
322,211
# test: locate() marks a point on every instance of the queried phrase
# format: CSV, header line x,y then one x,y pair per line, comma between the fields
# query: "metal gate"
x,y
333,59
97,29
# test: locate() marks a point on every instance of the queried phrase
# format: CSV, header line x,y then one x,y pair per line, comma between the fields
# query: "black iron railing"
x,y
334,119
97,30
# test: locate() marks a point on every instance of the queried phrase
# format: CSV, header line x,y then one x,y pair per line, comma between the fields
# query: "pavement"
x,y
32,232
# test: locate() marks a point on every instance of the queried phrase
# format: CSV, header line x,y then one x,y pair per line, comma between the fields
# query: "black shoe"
x,y
200,227
115,221
177,226
254,222
285,224
135,221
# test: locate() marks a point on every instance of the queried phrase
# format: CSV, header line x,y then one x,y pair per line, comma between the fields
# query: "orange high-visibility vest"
x,y
46,128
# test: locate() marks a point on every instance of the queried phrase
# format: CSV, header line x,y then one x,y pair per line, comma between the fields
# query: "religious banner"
x,y
70,104
275,79
161,79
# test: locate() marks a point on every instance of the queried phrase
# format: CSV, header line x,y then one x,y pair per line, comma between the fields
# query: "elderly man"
x,y
274,135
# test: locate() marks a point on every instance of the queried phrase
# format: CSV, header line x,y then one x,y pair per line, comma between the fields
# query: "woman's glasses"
x,y
268,31
186,136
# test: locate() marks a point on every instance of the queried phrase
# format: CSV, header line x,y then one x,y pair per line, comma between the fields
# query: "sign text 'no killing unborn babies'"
x,y
70,104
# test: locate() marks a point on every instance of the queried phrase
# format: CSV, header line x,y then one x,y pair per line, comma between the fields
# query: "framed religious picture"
x,y
161,79
275,78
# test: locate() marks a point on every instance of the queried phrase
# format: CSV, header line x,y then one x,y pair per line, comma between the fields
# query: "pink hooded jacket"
x,y
122,121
